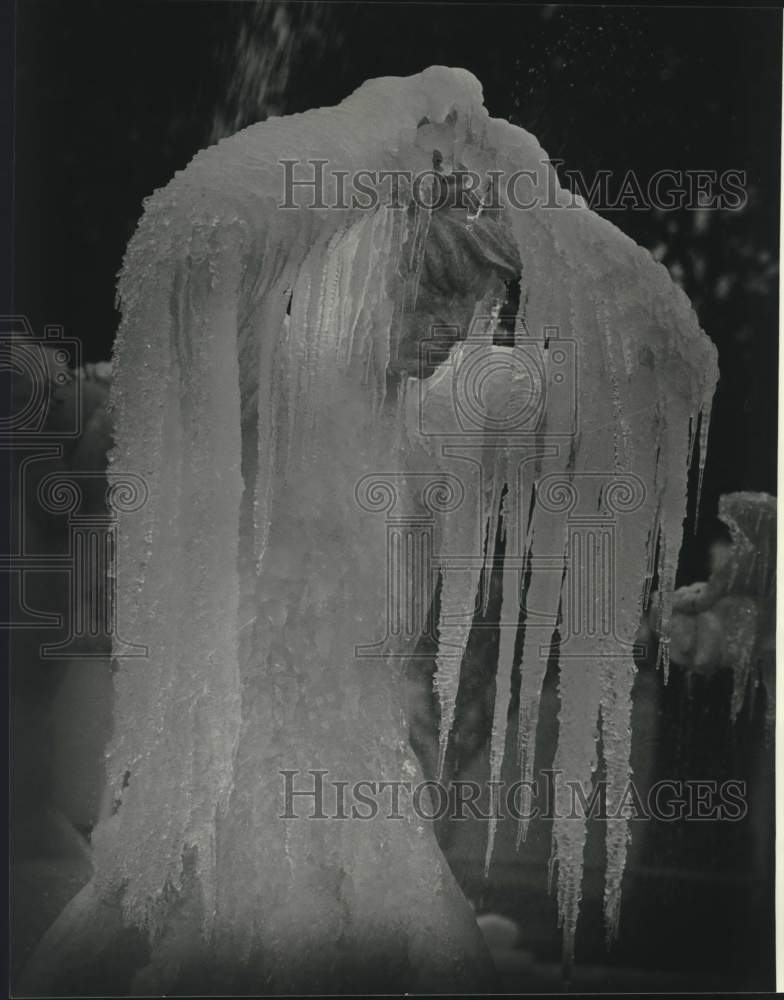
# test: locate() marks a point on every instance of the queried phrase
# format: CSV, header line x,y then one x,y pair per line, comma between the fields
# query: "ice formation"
x,y
728,621
267,364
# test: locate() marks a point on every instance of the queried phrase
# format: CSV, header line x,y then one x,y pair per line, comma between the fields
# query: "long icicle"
x,y
616,712
510,617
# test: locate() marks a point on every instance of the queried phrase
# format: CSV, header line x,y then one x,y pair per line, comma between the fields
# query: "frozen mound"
x,y
285,377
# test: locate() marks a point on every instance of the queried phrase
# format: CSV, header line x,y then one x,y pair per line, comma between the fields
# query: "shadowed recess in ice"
x,y
266,363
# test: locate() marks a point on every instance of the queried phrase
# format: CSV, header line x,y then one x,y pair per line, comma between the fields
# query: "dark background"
x,y
113,98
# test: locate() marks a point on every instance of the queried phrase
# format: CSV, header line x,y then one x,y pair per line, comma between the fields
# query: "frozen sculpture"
x,y
294,385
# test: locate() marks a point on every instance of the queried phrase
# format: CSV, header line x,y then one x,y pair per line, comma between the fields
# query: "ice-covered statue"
x,y
336,395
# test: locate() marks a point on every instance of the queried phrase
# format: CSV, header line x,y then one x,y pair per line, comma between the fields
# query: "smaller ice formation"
x,y
728,621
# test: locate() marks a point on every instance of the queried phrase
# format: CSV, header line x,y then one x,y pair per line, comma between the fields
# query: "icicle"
x,y
458,593
574,766
616,712
692,439
666,573
704,421
542,601
510,615
494,513
268,401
